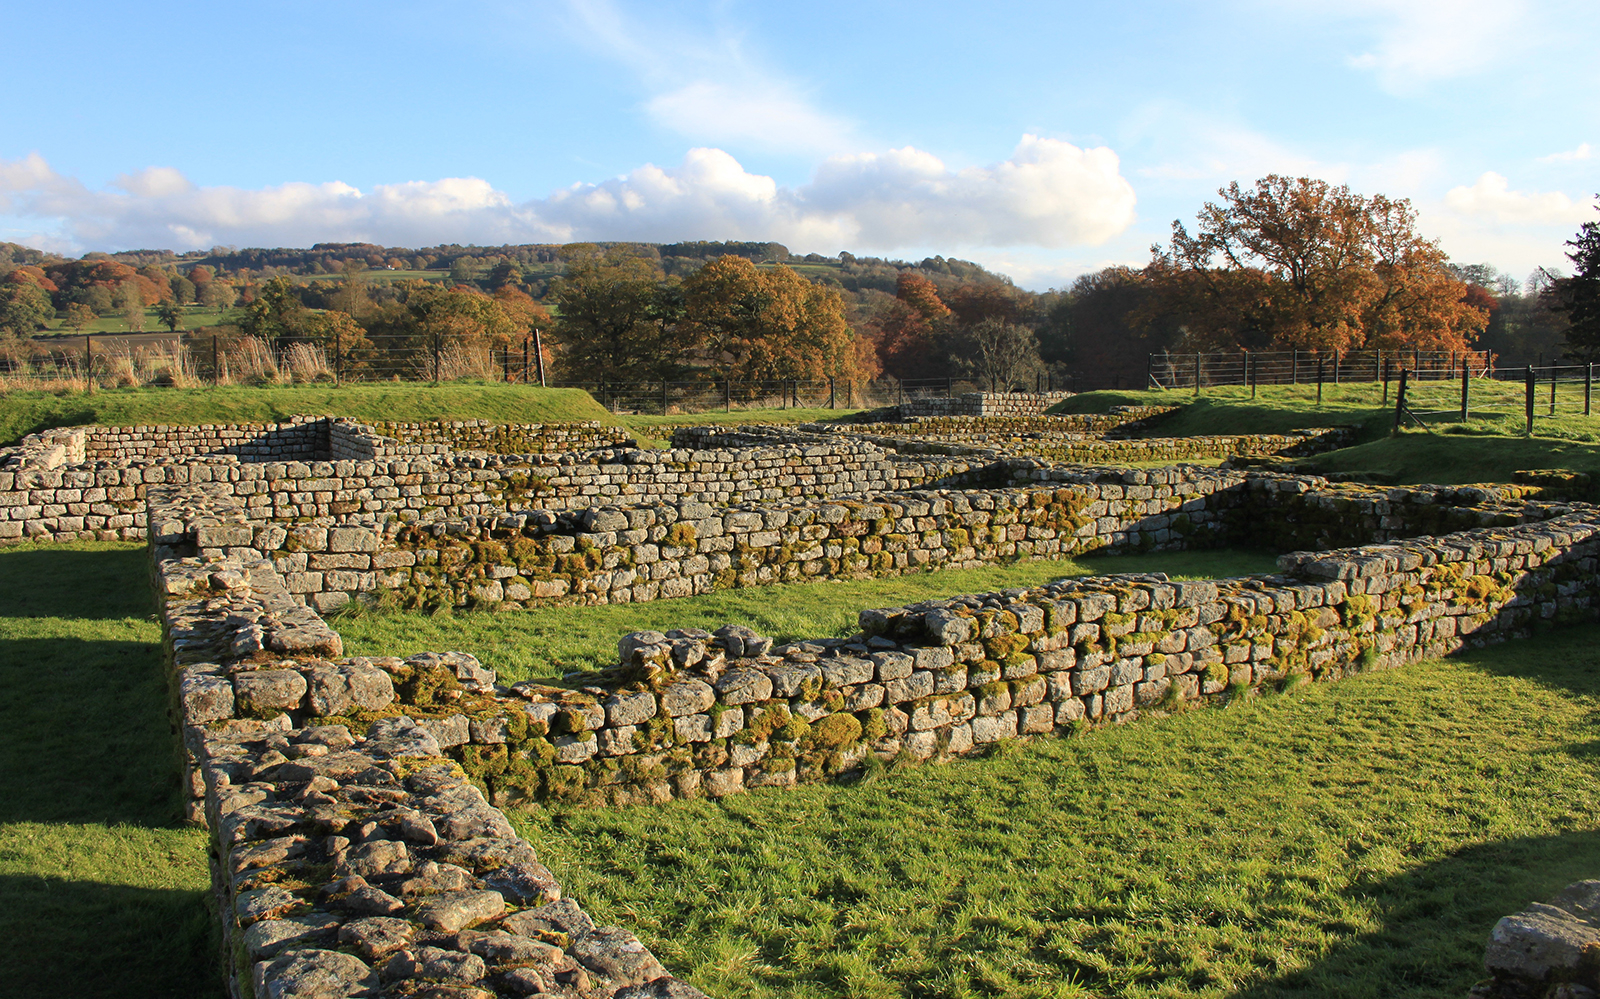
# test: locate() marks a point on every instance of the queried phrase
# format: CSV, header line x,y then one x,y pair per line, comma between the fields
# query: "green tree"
x,y
618,318
24,307
170,315
1578,297
276,314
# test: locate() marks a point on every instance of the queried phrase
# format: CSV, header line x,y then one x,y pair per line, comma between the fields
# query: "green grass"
x,y
23,413
1357,839
194,318
1488,447
102,891
550,641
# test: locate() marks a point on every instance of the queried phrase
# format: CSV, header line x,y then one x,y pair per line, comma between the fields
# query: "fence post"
x,y
1319,381
1386,380
1588,385
525,359
216,361
1553,370
1197,373
1464,384
505,365
538,356
1527,404
1255,375
663,397
949,387
88,364
830,393
338,357
436,358
1294,367
727,394
1400,399
1149,370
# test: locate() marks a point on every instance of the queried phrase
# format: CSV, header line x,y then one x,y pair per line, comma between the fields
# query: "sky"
x,y
1043,140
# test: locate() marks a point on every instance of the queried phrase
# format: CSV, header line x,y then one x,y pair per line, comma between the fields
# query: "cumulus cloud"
x,y
1048,193
1492,198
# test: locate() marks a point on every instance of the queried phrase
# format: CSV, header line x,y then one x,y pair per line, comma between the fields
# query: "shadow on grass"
x,y
1436,913
76,938
75,584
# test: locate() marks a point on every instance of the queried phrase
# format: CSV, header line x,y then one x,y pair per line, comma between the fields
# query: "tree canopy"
x,y
1578,297
1301,263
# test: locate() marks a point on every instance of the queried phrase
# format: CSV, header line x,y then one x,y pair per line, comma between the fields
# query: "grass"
x,y
194,318
24,413
102,892
550,641
1487,447
1356,839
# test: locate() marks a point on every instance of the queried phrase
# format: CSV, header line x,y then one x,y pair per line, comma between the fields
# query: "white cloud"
x,y
731,96
1424,40
1048,193
1572,155
1491,198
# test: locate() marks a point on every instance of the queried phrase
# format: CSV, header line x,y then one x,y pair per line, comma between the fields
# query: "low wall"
x,y
983,404
448,437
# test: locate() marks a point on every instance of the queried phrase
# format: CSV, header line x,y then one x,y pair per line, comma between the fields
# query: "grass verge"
x,y
550,641
101,891
1357,839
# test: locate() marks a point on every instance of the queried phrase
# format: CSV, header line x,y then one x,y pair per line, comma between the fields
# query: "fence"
x,y
1303,367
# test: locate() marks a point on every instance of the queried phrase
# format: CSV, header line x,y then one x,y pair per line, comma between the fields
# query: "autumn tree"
x,y
906,332
129,300
1300,263
762,323
618,317
1578,297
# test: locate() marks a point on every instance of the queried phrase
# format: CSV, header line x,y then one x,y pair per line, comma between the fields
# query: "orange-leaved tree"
x,y
1301,263
762,323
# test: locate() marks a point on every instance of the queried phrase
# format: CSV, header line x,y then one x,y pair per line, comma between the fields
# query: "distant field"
x,y
195,318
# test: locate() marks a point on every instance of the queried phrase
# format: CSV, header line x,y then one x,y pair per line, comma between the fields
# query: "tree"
x,y
1578,297
618,318
906,332
1003,354
129,299
79,315
767,323
170,315
276,313
216,294
24,307
1300,263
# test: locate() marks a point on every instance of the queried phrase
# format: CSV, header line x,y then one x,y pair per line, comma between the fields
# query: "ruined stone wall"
x,y
983,404
102,499
688,712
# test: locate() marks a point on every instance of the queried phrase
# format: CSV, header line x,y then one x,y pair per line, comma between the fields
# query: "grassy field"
x,y
550,641
23,413
1356,839
1488,447
101,890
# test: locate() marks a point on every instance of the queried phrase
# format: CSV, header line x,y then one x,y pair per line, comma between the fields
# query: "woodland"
x,y
1283,263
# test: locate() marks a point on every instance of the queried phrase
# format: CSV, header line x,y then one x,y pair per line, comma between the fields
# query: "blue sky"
x,y
1044,140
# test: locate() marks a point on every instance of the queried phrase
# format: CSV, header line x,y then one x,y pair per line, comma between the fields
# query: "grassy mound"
x,y
24,413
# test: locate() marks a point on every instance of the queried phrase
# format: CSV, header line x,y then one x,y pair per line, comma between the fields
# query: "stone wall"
x,y
688,712
359,859
983,404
